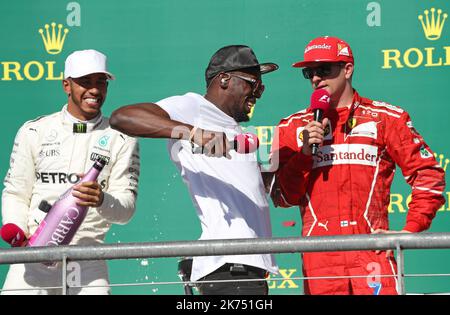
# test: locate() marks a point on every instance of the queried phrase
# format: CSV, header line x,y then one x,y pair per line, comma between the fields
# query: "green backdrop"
x,y
161,48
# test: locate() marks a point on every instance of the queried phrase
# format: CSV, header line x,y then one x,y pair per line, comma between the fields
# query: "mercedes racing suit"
x,y
48,154
345,188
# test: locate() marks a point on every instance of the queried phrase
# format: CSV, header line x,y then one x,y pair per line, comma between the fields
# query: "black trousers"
x,y
235,272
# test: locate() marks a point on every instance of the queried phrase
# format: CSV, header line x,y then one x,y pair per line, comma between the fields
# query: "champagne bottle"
x,y
65,217
42,210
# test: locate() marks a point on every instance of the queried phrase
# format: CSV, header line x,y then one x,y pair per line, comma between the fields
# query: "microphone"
x,y
246,143
12,234
320,102
242,143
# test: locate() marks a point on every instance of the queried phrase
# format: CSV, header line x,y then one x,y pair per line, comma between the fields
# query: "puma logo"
x,y
323,225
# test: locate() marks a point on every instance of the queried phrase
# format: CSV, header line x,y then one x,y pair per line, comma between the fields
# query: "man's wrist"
x,y
413,227
102,198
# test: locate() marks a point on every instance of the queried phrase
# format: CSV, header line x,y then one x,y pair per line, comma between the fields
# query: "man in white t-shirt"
x,y
226,187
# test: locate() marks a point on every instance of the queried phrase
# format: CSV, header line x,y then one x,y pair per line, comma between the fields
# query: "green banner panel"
x,y
161,48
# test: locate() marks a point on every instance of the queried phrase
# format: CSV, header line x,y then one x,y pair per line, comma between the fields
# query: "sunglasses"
x,y
323,70
257,86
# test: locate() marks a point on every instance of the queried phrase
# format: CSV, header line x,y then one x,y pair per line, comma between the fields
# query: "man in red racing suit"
x,y
345,188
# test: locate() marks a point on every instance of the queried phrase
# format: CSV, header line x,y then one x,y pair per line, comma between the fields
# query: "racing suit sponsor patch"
x,y
368,129
299,136
328,132
346,154
424,153
57,178
94,156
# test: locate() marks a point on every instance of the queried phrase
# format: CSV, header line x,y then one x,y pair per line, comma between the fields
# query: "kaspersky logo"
x,y
431,23
51,37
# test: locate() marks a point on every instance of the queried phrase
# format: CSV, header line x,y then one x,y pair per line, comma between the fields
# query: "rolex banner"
x,y
161,48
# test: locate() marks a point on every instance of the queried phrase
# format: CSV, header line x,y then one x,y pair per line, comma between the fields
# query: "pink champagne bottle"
x,y
65,217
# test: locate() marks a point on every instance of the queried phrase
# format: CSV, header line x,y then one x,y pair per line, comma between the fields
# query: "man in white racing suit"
x,y
49,155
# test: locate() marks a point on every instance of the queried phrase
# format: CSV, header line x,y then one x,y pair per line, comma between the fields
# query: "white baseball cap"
x,y
84,62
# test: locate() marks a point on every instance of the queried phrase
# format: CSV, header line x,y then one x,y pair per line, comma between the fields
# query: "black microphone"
x,y
320,102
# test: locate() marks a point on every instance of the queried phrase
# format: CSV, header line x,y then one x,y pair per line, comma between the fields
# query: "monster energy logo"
x,y
79,128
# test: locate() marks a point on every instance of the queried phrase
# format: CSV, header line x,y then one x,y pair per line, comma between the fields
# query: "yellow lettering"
x,y
271,283
430,63
408,200
265,137
447,56
286,274
388,57
408,61
396,199
446,205
40,68
51,75
448,200
7,70
288,280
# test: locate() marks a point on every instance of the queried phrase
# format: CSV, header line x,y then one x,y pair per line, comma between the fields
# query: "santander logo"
x,y
322,46
346,154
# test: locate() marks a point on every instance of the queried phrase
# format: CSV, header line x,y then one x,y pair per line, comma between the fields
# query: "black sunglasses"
x,y
323,70
257,86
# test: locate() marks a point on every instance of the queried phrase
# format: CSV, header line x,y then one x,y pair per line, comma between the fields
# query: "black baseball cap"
x,y
235,57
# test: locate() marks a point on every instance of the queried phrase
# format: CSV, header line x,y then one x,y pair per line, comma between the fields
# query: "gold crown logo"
x,y
442,162
53,42
433,28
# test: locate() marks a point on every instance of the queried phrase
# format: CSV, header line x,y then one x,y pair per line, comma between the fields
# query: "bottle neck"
x,y
93,173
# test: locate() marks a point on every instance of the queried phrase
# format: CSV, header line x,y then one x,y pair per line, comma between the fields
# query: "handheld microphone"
x,y
12,234
246,143
320,102
243,143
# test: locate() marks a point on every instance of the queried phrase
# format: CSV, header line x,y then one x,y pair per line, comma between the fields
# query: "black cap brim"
x,y
268,67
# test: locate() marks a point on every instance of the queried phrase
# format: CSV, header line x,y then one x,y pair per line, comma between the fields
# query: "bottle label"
x,y
65,227
37,233
38,215
65,194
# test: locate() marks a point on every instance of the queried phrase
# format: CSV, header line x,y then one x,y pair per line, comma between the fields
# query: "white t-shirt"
x,y
228,193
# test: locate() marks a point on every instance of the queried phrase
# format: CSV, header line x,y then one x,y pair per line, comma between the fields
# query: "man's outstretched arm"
x,y
148,120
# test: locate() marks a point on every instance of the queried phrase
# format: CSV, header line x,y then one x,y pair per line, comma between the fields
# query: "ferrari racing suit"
x,y
345,188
